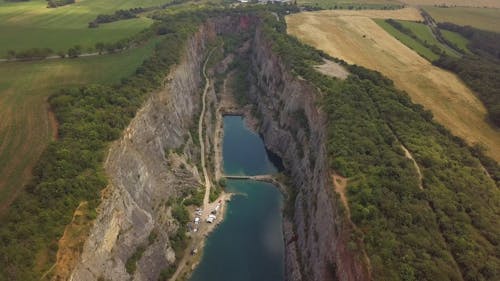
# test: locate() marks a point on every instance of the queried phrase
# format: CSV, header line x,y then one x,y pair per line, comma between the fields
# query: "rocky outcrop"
x,y
144,174
294,127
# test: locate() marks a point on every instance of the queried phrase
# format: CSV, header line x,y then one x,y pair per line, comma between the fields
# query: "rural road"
x,y
52,57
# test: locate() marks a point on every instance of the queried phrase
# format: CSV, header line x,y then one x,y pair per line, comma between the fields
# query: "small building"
x,y
211,218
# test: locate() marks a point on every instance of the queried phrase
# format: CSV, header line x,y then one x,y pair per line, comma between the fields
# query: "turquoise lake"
x,y
248,245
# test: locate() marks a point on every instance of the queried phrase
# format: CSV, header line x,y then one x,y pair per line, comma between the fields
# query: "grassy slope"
x,y
24,25
407,40
482,18
421,31
24,87
457,39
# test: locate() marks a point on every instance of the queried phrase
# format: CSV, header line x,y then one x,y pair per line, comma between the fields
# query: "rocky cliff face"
x,y
294,128
144,175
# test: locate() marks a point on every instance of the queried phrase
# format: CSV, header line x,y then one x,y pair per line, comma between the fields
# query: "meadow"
x,y
25,25
26,126
407,40
481,18
457,39
359,40
423,34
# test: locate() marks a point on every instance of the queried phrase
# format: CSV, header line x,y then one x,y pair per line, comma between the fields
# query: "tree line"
x,y
59,3
118,15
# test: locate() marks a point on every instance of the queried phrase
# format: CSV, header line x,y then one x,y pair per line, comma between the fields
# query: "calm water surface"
x,y
248,245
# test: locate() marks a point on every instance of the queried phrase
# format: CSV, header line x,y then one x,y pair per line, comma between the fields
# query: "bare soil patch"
x,y
71,243
340,186
409,156
332,69
53,125
359,40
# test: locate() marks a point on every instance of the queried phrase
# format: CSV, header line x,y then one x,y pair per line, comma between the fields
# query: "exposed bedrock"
x,y
294,127
144,175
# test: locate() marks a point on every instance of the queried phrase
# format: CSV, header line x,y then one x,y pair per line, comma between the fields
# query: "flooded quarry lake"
x,y
248,245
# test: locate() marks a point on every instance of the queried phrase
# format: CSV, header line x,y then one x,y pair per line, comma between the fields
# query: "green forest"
x,y
449,229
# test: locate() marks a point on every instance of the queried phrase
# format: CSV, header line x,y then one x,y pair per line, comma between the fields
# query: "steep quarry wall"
x,y
144,175
294,128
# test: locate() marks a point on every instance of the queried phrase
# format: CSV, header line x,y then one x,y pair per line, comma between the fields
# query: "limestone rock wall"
x,y
294,127
144,175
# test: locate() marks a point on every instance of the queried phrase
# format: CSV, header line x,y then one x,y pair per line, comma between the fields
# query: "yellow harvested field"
x,y
460,3
359,40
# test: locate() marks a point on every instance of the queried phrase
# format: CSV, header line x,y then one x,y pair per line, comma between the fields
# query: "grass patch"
x,y
422,35
408,41
457,39
131,264
481,18
25,25
423,32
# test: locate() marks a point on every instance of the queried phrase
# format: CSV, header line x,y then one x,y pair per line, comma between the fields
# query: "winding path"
x,y
208,183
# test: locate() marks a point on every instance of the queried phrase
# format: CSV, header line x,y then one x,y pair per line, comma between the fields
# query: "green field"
x,y
25,25
424,34
456,38
481,18
345,4
25,129
407,40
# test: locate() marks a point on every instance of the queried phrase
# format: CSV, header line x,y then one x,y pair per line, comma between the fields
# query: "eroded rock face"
x,y
143,176
293,127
